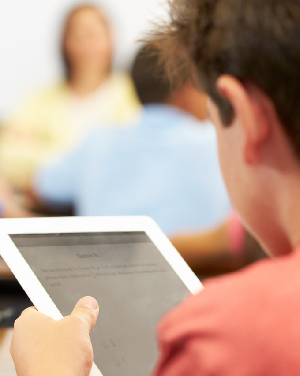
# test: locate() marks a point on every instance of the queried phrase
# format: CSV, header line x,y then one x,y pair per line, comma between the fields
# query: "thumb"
x,y
87,310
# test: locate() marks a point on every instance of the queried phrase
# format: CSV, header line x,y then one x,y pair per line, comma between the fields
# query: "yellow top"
x,y
56,119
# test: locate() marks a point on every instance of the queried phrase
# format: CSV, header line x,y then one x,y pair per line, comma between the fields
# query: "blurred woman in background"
x,y
91,95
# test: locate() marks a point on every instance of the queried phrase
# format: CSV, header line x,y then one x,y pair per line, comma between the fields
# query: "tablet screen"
x,y
132,282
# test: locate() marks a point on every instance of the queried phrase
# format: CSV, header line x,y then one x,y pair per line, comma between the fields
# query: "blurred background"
x,y
90,125
30,33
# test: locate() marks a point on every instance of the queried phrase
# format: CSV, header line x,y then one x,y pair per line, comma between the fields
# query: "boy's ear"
x,y
251,109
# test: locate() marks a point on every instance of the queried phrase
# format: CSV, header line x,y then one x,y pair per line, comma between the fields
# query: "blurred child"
x,y
163,165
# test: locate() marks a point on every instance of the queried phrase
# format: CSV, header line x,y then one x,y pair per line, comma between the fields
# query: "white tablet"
x,y
126,263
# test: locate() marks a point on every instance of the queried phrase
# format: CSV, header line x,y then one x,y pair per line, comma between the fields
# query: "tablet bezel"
x,y
54,225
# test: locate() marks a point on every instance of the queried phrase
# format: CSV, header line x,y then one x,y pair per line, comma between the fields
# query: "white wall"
x,y
29,40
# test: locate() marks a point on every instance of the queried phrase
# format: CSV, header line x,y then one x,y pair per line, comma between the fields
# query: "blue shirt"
x,y
165,167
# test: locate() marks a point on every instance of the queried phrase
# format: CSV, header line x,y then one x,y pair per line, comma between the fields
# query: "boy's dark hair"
x,y
149,76
256,41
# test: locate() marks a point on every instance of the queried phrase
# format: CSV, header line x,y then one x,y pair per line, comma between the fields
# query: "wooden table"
x,y
6,363
5,272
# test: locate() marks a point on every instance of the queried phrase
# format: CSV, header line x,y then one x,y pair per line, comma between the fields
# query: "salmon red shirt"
x,y
244,324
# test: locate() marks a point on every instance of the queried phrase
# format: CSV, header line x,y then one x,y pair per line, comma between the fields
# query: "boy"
x,y
246,56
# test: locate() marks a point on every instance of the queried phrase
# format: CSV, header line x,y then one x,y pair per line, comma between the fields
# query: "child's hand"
x,y
41,346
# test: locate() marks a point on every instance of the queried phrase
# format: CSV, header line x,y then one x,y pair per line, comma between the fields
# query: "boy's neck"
x,y
274,183
291,208
282,230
